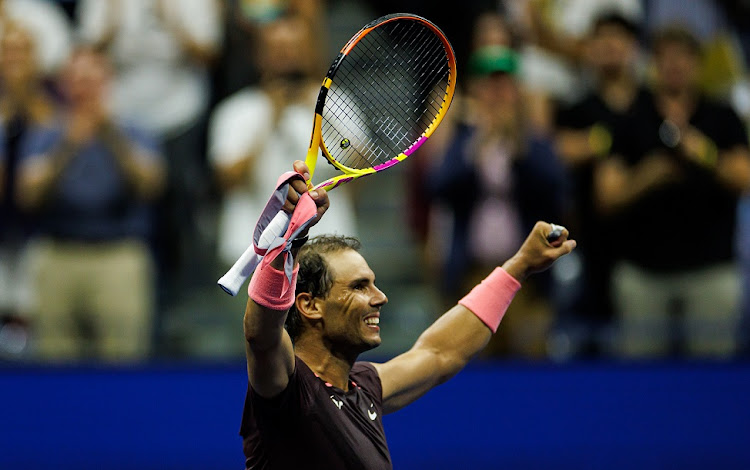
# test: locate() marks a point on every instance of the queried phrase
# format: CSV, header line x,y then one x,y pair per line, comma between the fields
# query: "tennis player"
x,y
310,403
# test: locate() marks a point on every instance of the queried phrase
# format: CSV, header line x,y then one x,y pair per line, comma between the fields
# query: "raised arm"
x,y
268,348
457,336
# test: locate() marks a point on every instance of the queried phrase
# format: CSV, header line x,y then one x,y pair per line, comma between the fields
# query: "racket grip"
x,y
555,233
276,228
232,281
242,268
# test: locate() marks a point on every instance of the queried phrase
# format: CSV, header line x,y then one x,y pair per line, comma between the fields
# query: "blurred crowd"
x,y
140,139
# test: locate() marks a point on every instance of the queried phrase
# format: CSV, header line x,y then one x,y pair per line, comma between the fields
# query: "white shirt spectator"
x,y
158,85
48,23
241,124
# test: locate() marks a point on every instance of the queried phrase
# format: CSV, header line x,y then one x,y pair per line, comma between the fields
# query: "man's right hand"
x,y
319,196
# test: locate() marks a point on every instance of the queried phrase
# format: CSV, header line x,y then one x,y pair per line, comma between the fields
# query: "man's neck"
x,y
618,90
327,365
676,105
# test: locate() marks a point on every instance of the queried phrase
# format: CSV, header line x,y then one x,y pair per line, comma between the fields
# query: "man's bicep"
x,y
407,377
269,369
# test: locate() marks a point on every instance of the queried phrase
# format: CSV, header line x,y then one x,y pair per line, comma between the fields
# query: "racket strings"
x,y
401,74
428,65
385,94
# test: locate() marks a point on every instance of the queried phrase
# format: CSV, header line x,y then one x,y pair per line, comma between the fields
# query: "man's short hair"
x,y
676,34
615,18
314,276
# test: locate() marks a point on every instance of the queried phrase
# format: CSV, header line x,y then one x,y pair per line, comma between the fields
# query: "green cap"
x,y
492,59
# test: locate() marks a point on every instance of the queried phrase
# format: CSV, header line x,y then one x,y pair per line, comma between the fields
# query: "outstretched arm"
x,y
268,348
459,335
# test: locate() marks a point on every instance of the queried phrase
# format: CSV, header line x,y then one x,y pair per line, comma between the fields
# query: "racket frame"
x,y
316,139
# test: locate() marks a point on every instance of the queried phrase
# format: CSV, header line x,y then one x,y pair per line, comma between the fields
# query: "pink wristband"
x,y
267,285
490,299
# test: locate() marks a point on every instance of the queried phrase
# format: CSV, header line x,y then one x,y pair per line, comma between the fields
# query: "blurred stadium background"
x,y
573,402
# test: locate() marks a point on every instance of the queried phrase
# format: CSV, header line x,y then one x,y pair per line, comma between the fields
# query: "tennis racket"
x,y
381,99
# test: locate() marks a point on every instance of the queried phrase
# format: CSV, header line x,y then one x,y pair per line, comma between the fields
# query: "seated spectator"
x,y
90,179
674,179
498,176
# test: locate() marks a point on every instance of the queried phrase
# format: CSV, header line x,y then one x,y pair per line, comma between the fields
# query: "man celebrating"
x,y
310,404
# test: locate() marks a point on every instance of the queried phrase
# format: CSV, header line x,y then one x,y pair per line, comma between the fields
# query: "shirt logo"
x,y
338,403
372,413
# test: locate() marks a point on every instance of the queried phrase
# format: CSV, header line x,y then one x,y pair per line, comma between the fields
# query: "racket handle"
x,y
242,268
555,233
276,228
238,273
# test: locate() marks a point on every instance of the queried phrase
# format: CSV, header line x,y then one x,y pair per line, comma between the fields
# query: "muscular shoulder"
x,y
366,376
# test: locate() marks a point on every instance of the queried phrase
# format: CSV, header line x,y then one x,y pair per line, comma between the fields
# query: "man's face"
x,y
86,78
612,48
677,67
352,307
286,49
17,58
498,95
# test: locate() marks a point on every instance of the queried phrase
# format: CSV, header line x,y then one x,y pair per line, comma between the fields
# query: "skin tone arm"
x,y
618,186
574,146
35,182
540,31
459,335
234,175
200,52
104,41
733,169
268,348
146,175
732,166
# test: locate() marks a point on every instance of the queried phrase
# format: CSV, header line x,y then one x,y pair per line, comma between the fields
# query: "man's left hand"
x,y
537,253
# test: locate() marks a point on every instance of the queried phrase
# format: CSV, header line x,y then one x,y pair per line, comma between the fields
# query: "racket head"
x,y
383,96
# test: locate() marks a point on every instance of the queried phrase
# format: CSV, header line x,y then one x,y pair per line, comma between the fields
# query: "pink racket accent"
x,y
387,164
416,145
338,183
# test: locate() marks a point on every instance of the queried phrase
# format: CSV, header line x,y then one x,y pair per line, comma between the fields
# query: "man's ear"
x,y
308,306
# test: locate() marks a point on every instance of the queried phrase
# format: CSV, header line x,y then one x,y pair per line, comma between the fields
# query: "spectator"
x,y
584,138
426,219
498,176
257,132
49,26
242,19
554,35
24,103
675,176
717,31
162,51
90,178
